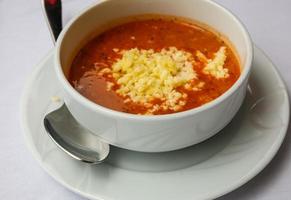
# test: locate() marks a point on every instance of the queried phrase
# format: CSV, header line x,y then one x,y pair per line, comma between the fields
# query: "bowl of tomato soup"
x,y
154,75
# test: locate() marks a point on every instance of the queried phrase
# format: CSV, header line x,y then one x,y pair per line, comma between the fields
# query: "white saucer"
x,y
205,171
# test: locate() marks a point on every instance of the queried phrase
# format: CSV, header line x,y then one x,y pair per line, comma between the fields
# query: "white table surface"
x,y
24,41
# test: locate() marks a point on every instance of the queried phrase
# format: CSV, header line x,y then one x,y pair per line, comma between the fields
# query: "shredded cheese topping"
x,y
145,75
215,66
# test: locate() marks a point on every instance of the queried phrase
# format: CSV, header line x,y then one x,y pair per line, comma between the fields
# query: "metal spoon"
x,y
61,126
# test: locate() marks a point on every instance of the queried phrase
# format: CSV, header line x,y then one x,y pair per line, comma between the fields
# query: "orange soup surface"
x,y
154,66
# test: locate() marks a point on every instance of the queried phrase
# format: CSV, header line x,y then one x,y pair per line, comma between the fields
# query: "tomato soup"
x,y
154,66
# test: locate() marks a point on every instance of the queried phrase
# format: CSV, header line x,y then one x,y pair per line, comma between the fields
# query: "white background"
x,y
24,41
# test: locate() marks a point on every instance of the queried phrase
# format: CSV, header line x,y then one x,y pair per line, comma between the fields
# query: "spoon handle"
x,y
53,12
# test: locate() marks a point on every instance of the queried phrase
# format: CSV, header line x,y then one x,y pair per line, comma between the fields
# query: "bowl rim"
x,y
118,114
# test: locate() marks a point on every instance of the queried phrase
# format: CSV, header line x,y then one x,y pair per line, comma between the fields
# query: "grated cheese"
x,y
145,75
115,50
214,66
55,99
109,86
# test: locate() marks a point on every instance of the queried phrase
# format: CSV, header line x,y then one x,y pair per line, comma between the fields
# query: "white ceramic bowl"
x,y
162,132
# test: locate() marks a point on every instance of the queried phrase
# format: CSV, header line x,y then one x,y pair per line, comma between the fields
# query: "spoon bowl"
x,y
73,138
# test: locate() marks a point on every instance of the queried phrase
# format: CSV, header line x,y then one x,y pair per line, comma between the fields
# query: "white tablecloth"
x,y
25,40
